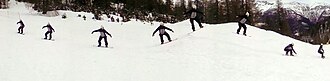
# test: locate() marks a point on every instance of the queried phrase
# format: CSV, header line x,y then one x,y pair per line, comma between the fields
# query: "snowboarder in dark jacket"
x,y
321,51
20,28
241,23
103,35
49,31
162,32
194,16
289,48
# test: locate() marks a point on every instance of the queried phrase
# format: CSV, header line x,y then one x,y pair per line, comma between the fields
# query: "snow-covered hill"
x,y
214,53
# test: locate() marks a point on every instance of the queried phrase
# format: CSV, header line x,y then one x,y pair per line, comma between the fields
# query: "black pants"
x,y
322,56
162,39
50,35
20,29
193,25
241,25
287,51
105,41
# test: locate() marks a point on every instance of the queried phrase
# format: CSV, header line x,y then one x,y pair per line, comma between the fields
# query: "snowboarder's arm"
x,y
95,31
155,31
187,12
169,29
294,51
108,33
199,12
52,29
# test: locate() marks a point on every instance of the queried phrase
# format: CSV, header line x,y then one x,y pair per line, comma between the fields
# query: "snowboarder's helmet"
x,y
247,14
102,27
194,6
162,23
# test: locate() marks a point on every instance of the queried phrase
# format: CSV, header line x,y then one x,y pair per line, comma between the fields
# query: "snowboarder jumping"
x,y
194,16
162,32
103,35
49,31
321,51
241,23
289,48
20,28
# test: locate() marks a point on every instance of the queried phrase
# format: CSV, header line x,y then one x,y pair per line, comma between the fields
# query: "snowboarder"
x,y
194,16
103,35
20,28
162,32
289,48
321,51
241,23
84,17
49,31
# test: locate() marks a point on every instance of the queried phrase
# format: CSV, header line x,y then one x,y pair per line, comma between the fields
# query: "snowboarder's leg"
x,y
239,28
106,41
244,27
22,30
46,35
291,53
286,53
192,24
322,56
50,35
199,23
161,38
99,41
19,30
168,37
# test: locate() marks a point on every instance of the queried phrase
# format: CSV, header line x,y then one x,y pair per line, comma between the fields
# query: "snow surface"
x,y
213,53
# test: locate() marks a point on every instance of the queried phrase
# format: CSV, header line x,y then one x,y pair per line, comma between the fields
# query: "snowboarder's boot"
x,y
98,45
45,38
106,46
322,57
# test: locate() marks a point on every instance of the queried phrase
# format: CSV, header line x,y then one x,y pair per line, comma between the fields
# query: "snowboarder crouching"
x,y
288,49
20,28
49,31
162,32
321,51
241,23
103,35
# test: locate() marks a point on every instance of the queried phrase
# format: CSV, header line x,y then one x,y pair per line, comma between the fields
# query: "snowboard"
x,y
21,33
48,39
169,41
242,34
102,46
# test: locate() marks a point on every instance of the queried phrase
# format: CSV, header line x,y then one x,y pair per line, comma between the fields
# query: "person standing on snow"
x,y
241,23
103,35
289,48
321,51
20,28
162,32
49,31
194,16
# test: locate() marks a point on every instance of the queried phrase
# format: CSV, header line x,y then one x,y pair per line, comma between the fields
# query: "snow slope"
x,y
214,53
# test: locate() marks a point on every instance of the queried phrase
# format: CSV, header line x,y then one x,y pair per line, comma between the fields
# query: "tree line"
x,y
215,11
